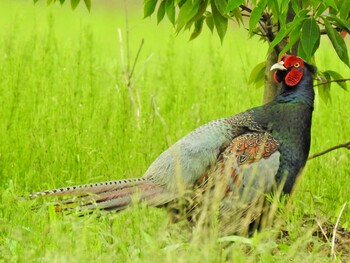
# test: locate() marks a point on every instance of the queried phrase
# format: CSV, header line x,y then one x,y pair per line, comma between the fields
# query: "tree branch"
x,y
248,10
245,8
334,80
323,32
343,145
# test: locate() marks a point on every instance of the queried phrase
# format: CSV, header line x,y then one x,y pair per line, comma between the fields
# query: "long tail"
x,y
112,195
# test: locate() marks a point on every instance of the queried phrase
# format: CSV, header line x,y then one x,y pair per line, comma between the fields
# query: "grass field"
x,y
67,117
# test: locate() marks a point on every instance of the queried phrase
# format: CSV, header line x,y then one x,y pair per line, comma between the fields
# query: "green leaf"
x,y
199,14
161,12
149,7
324,89
180,3
170,10
331,3
257,75
310,37
301,51
336,76
321,9
187,11
337,42
294,36
48,2
303,14
273,5
209,21
256,14
341,23
282,18
283,12
285,30
198,25
280,36
237,14
284,5
88,4
344,9
296,6
74,3
233,4
35,1
220,22
221,6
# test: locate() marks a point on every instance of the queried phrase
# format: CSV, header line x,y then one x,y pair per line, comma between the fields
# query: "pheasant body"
x,y
239,158
190,157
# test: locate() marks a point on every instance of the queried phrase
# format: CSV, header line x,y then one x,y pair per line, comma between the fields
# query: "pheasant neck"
x,y
303,92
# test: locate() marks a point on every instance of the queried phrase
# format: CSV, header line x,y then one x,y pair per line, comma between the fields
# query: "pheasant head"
x,y
296,78
290,70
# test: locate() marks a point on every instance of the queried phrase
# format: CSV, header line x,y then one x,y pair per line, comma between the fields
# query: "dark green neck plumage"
x,y
303,92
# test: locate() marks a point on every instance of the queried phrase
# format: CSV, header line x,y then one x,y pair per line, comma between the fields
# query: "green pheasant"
x,y
235,160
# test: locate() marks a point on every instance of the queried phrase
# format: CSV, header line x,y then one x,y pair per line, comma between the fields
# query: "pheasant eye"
x,y
296,65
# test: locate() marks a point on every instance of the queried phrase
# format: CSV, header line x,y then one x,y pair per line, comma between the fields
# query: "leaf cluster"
x,y
294,26
289,26
297,22
74,3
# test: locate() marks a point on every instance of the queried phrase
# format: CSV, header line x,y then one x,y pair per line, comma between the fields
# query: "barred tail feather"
x,y
113,195
93,188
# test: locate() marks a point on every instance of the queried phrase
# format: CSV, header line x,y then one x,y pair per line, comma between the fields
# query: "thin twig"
x,y
120,35
142,67
136,58
334,80
343,145
256,33
126,74
263,27
335,231
245,8
127,36
322,230
324,31
248,10
128,71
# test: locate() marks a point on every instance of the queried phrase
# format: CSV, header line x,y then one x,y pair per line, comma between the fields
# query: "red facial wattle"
x,y
295,67
294,76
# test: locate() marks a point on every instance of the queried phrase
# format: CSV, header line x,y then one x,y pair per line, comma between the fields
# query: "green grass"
x,y
66,118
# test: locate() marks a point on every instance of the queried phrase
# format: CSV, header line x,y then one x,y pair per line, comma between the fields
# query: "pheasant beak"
x,y
279,66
